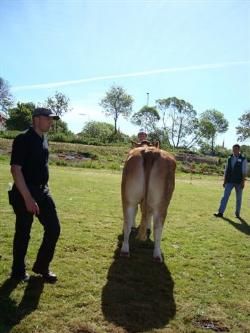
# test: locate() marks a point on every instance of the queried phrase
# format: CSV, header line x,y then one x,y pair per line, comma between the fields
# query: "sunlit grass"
x,y
205,276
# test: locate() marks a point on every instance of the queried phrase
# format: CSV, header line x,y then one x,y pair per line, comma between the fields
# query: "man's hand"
x,y
32,206
30,203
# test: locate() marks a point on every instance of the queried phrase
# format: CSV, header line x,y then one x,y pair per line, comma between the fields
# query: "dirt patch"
x,y
214,325
72,156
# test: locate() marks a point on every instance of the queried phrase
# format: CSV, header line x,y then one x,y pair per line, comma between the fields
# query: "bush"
x,y
9,134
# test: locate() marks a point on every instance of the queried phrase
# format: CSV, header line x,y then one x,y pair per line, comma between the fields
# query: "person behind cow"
x,y
30,196
234,177
142,135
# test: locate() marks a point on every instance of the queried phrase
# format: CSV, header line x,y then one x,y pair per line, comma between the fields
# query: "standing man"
x,y
142,135
30,196
234,177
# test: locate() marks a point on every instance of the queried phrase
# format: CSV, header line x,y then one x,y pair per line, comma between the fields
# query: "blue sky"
x,y
198,51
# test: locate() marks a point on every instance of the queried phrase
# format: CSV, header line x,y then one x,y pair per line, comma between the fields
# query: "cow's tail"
x,y
148,161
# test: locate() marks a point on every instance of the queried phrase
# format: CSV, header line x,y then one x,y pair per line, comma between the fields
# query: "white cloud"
x,y
133,74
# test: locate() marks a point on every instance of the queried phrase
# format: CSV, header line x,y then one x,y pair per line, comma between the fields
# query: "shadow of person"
x,y
138,294
242,226
12,313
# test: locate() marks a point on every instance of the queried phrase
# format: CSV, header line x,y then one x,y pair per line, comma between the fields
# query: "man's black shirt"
x,y
30,151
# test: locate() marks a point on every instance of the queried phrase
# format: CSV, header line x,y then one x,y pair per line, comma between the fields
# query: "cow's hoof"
x,y
124,254
134,230
157,259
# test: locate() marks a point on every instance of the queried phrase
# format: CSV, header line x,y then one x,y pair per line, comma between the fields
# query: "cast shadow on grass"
x,y
242,226
138,294
11,313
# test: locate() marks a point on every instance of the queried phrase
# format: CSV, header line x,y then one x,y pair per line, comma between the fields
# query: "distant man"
x,y
30,196
142,135
234,177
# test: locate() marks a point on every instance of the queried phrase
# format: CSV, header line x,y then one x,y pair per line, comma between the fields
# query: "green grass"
x,y
203,282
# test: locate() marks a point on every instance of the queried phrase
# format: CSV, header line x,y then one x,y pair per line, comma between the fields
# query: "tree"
x,y
179,121
117,102
59,104
98,130
212,122
243,131
60,126
146,117
20,117
6,99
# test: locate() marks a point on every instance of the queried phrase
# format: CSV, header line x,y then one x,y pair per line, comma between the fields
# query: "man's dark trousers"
x,y
47,217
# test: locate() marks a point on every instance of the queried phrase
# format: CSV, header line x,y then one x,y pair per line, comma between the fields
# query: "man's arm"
x,y
244,172
225,172
30,203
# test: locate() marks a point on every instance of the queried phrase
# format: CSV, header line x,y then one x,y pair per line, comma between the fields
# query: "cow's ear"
x,y
157,144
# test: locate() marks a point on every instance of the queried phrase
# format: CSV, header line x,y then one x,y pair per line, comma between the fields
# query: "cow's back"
x,y
148,174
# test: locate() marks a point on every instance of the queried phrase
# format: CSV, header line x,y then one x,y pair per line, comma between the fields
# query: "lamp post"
x,y
147,98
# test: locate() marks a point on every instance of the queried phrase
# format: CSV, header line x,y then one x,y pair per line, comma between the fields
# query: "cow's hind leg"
x,y
129,221
158,226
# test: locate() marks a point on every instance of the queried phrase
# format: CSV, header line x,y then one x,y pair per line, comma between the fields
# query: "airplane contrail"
x,y
133,74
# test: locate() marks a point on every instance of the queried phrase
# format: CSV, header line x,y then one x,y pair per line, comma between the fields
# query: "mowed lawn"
x,y
203,284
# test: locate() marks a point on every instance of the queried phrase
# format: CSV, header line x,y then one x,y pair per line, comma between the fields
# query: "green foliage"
x,y
243,131
245,150
20,117
222,151
58,103
98,130
212,122
60,137
102,133
117,102
179,121
160,136
60,126
8,134
146,117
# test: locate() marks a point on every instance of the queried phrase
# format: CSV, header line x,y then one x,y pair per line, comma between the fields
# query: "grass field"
x,y
203,284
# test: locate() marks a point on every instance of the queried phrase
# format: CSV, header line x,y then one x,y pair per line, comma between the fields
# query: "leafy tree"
x,y
60,127
158,135
212,122
147,118
59,104
100,131
246,151
117,102
243,131
6,99
179,121
20,117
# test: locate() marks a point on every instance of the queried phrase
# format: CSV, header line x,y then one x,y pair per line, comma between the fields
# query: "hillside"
x,y
86,156
113,157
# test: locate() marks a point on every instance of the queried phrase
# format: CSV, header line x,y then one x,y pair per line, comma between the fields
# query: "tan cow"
x,y
148,179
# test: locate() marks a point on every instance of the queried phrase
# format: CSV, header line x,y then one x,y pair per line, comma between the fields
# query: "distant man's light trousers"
x,y
227,192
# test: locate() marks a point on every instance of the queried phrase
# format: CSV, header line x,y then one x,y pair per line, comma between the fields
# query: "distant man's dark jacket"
x,y
235,174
